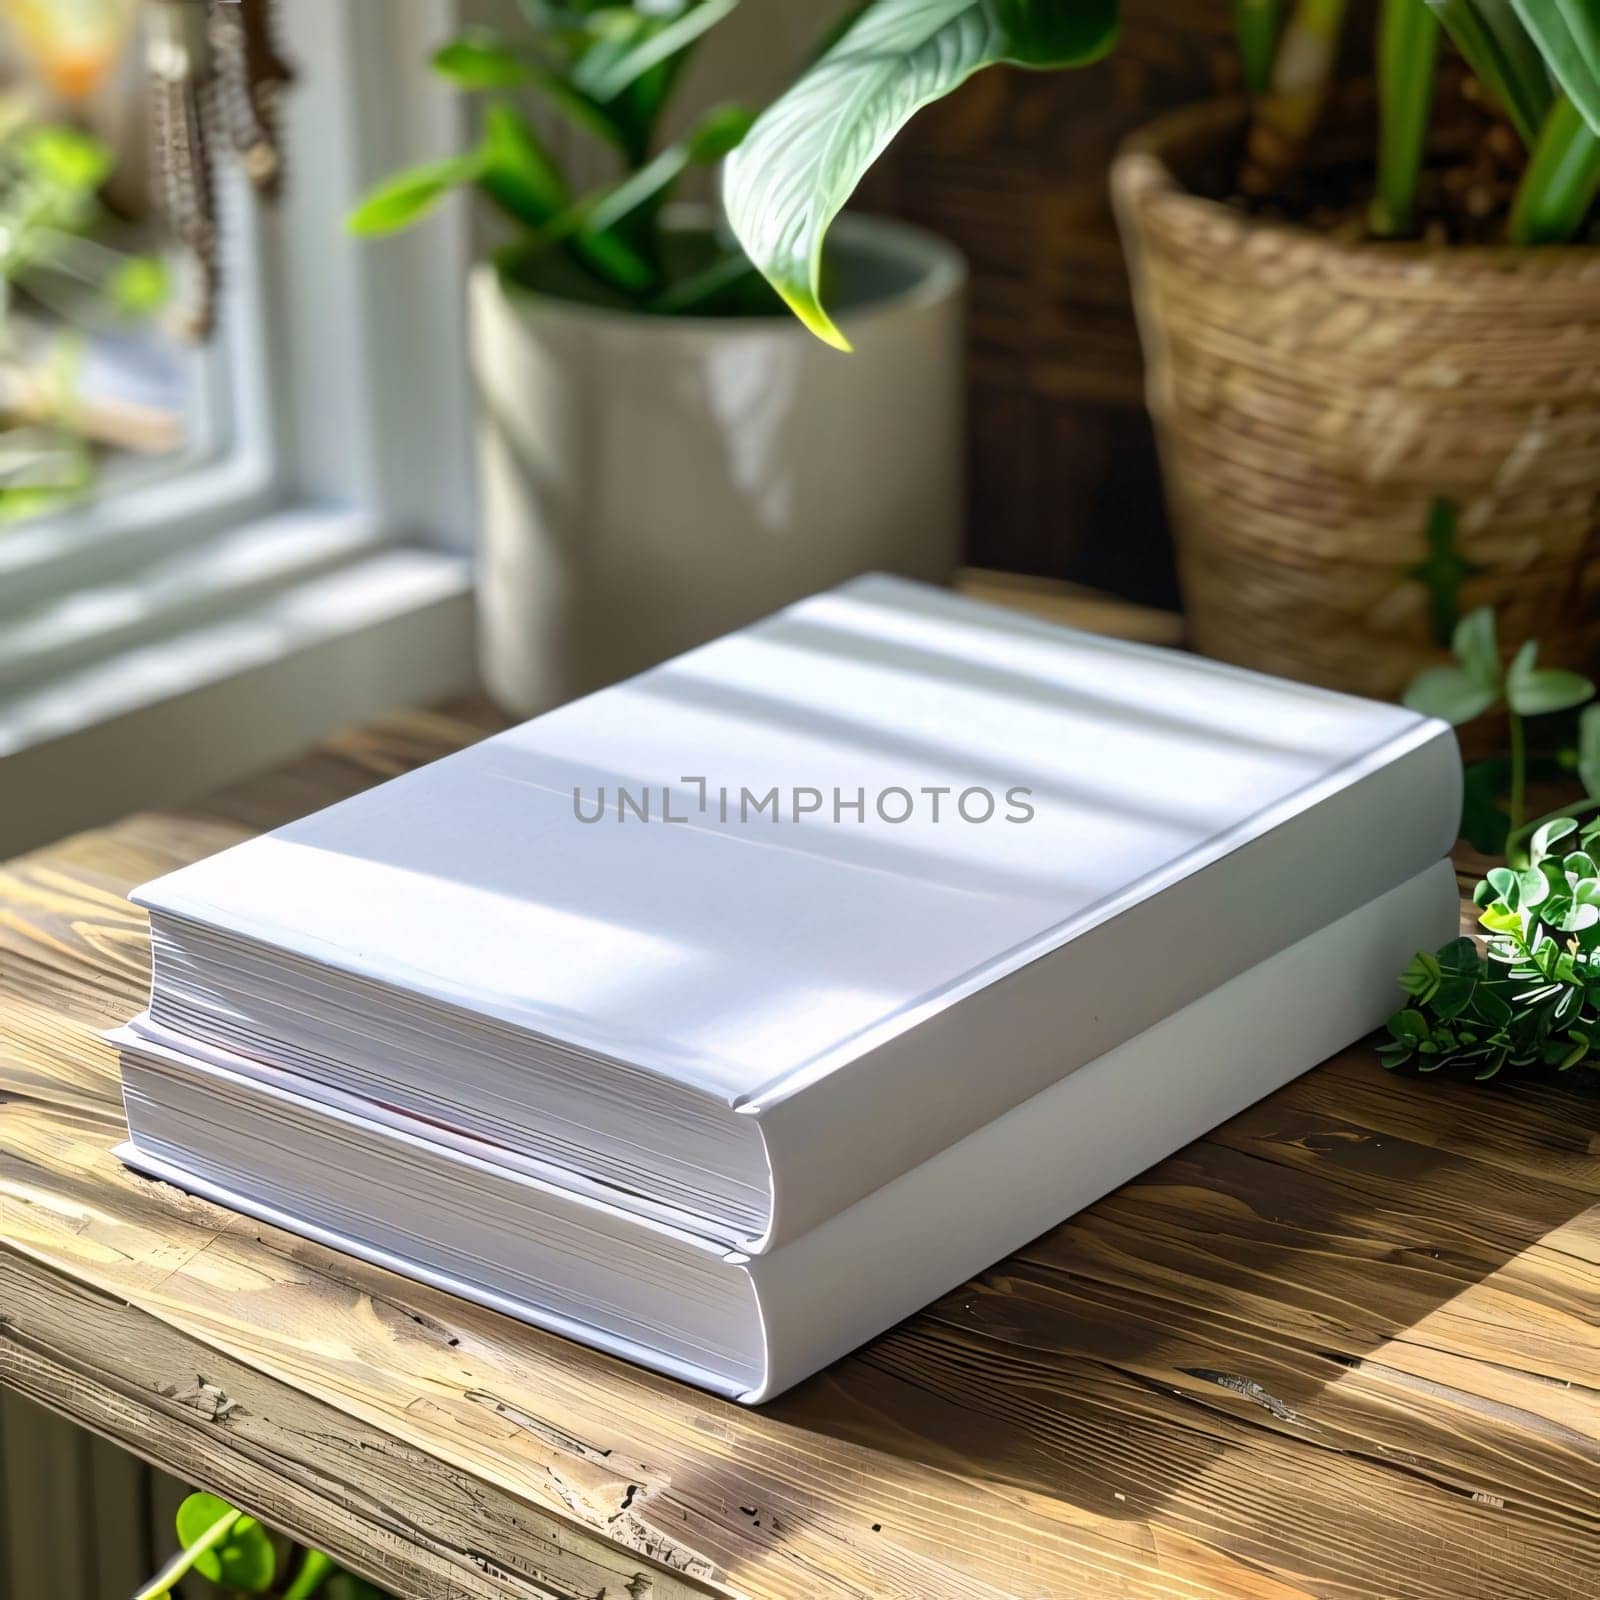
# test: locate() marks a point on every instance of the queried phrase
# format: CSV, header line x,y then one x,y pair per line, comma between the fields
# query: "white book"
x,y
1000,848
381,1186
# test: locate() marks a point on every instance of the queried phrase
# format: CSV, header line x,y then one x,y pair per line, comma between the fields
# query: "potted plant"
x,y
664,454
1357,308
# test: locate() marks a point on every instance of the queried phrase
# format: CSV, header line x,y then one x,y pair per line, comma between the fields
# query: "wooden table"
x,y
1344,1345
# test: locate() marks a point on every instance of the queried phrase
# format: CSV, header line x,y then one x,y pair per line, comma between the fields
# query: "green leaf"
x,y
1560,182
1492,1008
1421,976
810,148
603,76
517,173
578,108
1504,882
315,1570
1571,1052
1532,691
1409,1027
1476,645
1453,996
1549,834
1533,888
1567,33
515,170
409,196
65,156
243,1558
1256,24
1449,692
1459,956
140,286
1408,43
716,133
1502,57
481,59
1589,751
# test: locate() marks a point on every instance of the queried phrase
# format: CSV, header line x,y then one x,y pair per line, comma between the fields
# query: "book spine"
x,y
935,1226
847,1132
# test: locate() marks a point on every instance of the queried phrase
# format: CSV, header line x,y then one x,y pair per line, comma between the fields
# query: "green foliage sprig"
x,y
1479,682
224,1545
1530,997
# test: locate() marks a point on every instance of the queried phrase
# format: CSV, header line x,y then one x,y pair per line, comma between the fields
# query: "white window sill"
x,y
226,658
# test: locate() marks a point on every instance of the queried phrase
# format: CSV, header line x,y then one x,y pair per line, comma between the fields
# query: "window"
x,y
298,557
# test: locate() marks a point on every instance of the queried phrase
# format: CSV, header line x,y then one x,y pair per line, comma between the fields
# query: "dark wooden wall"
x,y
1013,168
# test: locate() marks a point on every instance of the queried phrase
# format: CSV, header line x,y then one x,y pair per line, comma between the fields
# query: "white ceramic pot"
x,y
650,482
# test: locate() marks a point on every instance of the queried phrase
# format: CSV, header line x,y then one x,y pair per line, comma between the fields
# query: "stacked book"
x,y
725,1017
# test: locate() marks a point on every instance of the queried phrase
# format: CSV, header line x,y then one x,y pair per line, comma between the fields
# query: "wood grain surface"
x,y
1344,1345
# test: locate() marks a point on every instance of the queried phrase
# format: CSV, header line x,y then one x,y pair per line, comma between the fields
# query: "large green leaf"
x,y
1567,33
808,151
1502,57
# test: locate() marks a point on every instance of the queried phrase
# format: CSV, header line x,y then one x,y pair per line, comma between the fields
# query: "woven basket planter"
x,y
1312,398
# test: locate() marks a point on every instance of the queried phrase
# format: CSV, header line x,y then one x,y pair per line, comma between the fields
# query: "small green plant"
x,y
221,1543
609,71
1530,997
1478,682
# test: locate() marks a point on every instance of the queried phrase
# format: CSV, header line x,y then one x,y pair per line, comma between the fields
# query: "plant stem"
x,y
1562,177
180,1564
1301,74
1519,774
1256,23
1408,43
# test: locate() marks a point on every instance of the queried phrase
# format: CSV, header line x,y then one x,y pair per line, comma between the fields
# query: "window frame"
x,y
340,397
